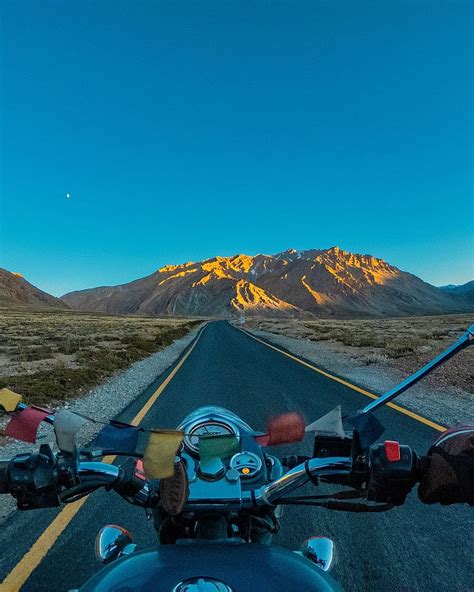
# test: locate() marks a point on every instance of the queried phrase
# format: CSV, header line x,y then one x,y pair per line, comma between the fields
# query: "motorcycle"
x,y
217,515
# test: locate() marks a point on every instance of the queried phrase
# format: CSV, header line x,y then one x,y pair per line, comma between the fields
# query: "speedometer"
x,y
207,428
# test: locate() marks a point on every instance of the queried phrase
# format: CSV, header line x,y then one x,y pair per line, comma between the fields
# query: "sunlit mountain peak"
x,y
168,268
312,282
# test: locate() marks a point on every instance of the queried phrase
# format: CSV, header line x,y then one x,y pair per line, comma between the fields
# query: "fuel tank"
x,y
212,566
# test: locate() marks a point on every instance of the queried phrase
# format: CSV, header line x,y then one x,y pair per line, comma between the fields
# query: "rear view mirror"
x,y
113,542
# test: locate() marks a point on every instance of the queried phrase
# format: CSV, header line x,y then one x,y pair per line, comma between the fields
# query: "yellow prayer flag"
x,y
9,400
158,461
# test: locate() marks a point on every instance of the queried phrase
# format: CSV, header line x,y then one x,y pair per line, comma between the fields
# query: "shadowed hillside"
x,y
16,291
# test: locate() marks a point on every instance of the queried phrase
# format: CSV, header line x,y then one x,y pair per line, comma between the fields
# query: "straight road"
x,y
411,548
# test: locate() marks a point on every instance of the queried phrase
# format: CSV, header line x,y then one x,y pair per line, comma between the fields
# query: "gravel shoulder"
x,y
447,405
100,403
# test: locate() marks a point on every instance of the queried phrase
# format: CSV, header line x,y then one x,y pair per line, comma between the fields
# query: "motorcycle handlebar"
x,y
138,491
310,470
268,495
93,474
98,471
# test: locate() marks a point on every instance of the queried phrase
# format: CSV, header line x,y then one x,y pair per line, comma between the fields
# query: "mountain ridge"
x,y
459,288
313,282
15,290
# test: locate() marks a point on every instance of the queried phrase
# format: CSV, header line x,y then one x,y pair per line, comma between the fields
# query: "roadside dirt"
x,y
49,357
378,354
401,344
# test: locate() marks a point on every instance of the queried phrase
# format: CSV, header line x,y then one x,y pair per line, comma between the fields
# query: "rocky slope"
x,y
292,283
16,291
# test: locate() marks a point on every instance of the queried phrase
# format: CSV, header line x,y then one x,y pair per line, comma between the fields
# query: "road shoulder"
x,y
102,403
447,406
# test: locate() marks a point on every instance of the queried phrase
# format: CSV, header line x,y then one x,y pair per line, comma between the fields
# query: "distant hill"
x,y
16,291
466,288
316,282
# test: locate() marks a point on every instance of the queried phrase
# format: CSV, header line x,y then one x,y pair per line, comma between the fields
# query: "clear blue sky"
x,y
183,130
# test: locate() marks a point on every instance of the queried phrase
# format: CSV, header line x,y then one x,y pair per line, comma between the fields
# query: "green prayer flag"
x,y
217,446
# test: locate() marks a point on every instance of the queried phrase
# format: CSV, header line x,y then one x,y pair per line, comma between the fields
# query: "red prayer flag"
x,y
283,429
24,425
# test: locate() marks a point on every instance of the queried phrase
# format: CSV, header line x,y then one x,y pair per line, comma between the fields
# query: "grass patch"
x,y
406,343
395,338
53,356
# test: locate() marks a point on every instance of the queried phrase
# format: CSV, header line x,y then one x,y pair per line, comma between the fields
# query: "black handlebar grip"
x,y
393,471
4,476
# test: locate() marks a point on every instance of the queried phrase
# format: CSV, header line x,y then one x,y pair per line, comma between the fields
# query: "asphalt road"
x,y
411,548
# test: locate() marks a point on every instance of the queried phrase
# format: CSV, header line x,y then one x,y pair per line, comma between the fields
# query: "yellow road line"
x,y
37,552
407,412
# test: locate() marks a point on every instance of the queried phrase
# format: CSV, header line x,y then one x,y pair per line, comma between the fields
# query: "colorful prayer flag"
x,y
217,446
283,429
160,454
118,436
367,426
24,425
9,400
331,423
66,424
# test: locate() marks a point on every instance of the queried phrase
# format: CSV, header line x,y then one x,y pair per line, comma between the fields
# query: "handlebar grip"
x,y
4,476
132,485
393,471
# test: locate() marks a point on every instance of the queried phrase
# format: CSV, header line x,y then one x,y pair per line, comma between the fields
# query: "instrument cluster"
x,y
246,466
207,427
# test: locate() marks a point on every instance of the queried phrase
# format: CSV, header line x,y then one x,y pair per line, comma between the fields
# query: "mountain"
x,y
16,291
466,288
317,282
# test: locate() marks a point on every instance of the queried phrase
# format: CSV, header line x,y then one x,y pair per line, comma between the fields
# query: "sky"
x,y
185,130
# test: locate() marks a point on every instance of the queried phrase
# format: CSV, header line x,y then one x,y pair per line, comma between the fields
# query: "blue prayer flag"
x,y
118,436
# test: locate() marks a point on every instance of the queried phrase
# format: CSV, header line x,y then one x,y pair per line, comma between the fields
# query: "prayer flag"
x,y
118,436
368,428
331,423
9,400
158,461
283,429
24,425
66,424
217,446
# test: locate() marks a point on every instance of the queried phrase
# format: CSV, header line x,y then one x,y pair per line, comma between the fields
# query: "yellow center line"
x,y
407,412
37,552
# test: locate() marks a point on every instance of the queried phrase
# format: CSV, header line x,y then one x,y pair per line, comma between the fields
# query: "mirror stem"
x,y
465,340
